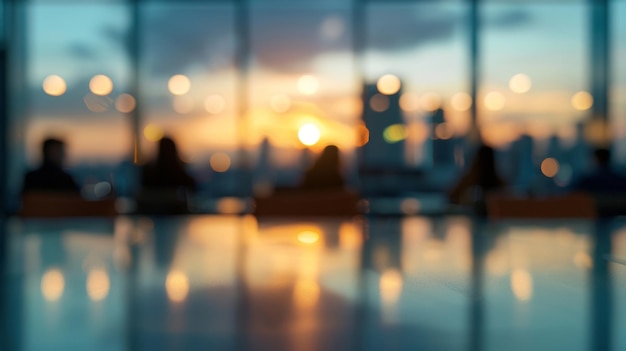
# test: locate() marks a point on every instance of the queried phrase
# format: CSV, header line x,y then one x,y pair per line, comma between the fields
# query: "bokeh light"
x,y
177,286
153,132
280,103
101,85
183,104
390,286
388,84
125,103
395,133
52,285
461,102
231,205
410,206
54,85
220,162
379,103
309,134
362,134
308,237
409,102
494,101
550,167
308,84
430,102
98,284
443,131
582,101
306,294
520,83
214,104
179,84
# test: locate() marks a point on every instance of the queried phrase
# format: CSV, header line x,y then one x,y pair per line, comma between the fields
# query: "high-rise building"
x,y
383,118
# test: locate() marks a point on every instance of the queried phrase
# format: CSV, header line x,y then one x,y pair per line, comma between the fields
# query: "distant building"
x,y
383,151
443,141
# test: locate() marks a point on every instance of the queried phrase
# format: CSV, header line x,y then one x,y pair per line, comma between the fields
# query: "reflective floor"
x,y
238,283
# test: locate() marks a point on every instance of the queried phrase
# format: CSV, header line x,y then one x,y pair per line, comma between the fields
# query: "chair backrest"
x,y
567,206
58,205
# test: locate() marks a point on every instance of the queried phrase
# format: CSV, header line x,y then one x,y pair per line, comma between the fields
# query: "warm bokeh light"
x,y
550,167
395,133
177,286
582,101
179,84
183,104
214,104
153,132
308,237
582,260
231,205
388,84
598,132
520,83
409,102
461,102
494,101
306,294
308,84
220,162
280,103
443,131
54,85
125,103
379,103
410,206
390,286
522,284
98,284
52,285
362,134
430,102
101,85
96,103
309,134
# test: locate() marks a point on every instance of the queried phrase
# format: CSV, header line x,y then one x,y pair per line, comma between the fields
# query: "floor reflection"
x,y
237,283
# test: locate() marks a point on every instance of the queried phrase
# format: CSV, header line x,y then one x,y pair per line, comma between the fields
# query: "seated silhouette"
x,y
603,180
50,176
480,179
165,182
321,192
49,191
325,172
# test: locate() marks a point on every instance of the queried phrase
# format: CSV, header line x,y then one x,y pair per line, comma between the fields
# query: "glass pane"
x,y
423,45
618,77
188,85
534,64
303,95
536,286
76,71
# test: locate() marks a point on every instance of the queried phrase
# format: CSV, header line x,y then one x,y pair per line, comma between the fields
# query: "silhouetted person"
x,y
50,176
165,182
325,172
481,178
603,180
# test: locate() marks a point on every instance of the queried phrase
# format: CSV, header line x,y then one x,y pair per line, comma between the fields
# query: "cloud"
x,y
175,39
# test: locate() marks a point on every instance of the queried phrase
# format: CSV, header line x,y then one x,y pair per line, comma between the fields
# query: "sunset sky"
x,y
425,45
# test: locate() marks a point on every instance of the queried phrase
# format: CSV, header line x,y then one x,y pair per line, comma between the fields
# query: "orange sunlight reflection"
x,y
177,286
522,284
308,237
306,294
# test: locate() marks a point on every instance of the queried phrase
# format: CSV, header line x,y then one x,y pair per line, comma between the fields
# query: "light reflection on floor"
x,y
238,283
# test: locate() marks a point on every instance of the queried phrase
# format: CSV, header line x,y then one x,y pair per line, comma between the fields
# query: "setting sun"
x,y
309,134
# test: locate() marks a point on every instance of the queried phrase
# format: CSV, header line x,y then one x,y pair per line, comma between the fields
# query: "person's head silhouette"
x,y
53,152
168,152
602,158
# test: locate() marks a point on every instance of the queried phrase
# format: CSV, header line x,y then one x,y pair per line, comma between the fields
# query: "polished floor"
x,y
238,283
